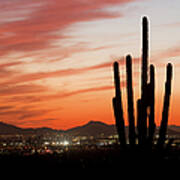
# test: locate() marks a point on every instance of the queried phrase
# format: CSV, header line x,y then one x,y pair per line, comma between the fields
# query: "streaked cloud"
x,y
21,89
44,19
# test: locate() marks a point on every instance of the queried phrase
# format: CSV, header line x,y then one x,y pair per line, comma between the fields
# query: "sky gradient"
x,y
56,58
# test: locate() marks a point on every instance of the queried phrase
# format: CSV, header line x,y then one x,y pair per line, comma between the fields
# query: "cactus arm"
x,y
118,109
164,122
139,121
130,101
152,125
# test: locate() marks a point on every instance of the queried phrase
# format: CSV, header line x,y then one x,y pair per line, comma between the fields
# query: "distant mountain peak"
x,y
92,128
96,122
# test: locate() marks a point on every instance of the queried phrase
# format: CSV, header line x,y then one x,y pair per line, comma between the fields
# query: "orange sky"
x,y
56,58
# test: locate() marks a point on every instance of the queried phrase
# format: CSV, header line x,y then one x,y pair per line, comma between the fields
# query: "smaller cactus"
x,y
139,122
130,101
151,99
164,122
118,109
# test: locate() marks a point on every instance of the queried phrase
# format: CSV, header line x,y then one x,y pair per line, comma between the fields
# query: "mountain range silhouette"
x,y
92,128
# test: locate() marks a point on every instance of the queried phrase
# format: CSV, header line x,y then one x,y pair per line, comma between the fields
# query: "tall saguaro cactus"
x,y
145,105
144,79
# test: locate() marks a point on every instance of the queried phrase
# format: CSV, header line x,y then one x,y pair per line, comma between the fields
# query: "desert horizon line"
x,y
81,125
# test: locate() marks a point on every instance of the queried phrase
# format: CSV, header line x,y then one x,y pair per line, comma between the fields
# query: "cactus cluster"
x,y
141,134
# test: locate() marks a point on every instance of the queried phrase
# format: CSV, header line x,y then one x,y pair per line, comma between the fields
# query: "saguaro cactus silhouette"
x,y
151,99
145,105
144,79
118,109
130,100
164,122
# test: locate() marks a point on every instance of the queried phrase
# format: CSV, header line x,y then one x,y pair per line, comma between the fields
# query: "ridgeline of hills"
x,y
92,128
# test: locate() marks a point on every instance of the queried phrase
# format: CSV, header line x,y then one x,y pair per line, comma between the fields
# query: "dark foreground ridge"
x,y
111,157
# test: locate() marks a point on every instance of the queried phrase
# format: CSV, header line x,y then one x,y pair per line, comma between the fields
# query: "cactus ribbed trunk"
x,y
117,105
151,94
139,121
164,122
130,101
145,42
144,78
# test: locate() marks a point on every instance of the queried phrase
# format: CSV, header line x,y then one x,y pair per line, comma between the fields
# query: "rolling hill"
x,y
92,128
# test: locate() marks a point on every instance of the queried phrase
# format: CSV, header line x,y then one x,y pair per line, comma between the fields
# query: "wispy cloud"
x,y
37,30
21,89
170,53
19,115
4,108
59,73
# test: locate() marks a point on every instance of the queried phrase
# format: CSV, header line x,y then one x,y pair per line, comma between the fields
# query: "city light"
x,y
65,143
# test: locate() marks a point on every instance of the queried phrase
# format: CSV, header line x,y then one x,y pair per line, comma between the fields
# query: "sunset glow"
x,y
56,58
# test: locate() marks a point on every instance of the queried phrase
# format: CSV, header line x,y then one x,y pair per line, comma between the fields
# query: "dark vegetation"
x,y
143,137
108,157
